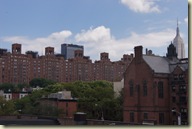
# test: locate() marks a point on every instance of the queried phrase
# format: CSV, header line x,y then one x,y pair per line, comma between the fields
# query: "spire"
x,y
177,31
178,43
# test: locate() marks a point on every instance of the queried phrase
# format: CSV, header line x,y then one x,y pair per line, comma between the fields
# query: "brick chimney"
x,y
138,53
16,48
79,53
104,56
49,51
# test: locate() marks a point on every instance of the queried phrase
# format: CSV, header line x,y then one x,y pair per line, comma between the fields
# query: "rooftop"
x,y
164,65
157,63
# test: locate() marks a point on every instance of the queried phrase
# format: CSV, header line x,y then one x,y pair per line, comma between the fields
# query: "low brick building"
x,y
62,102
148,88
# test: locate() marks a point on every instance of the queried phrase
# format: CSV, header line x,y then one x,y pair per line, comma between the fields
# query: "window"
x,y
131,116
161,118
175,76
173,88
145,116
67,113
21,96
160,89
131,87
182,88
181,76
182,99
173,99
144,88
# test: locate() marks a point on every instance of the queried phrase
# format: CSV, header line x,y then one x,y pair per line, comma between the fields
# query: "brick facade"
x,y
179,92
147,92
20,68
67,107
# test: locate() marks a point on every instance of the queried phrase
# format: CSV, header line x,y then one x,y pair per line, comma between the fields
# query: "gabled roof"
x,y
157,63
183,66
164,65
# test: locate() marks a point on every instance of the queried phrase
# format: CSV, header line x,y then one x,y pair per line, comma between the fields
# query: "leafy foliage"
x,y
6,107
6,87
95,98
41,82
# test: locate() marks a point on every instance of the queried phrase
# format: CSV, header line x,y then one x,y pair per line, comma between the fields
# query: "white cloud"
x,y
117,47
98,34
38,44
141,6
186,20
97,40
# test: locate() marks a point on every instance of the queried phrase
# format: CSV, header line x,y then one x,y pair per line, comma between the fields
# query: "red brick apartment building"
x,y
18,68
155,87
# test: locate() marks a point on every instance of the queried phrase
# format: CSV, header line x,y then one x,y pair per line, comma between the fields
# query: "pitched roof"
x,y
183,66
157,63
164,65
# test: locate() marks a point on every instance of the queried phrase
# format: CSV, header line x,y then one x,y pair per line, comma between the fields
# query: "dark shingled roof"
x,y
163,65
157,63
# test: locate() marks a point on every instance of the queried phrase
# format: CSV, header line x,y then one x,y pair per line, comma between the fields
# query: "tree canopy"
x,y
95,98
41,82
12,87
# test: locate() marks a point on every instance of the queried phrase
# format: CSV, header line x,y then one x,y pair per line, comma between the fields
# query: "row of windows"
x,y
182,99
181,87
179,76
10,96
145,89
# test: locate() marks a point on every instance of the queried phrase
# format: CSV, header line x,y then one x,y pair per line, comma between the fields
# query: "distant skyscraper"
x,y
68,50
178,43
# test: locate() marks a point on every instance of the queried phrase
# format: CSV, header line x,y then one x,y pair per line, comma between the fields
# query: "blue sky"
x,y
113,26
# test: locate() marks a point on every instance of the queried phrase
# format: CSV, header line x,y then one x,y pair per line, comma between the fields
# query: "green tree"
x,y
28,104
12,88
7,87
6,107
41,82
21,86
95,98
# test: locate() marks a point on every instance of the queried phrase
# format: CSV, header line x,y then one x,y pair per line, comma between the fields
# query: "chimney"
x,y
49,51
16,48
138,53
79,53
132,55
104,56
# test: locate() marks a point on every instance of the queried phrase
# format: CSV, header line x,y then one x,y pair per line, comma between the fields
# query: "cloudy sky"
x,y
113,26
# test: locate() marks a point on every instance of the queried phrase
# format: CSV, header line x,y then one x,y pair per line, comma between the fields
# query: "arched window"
x,y
131,87
144,88
160,89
